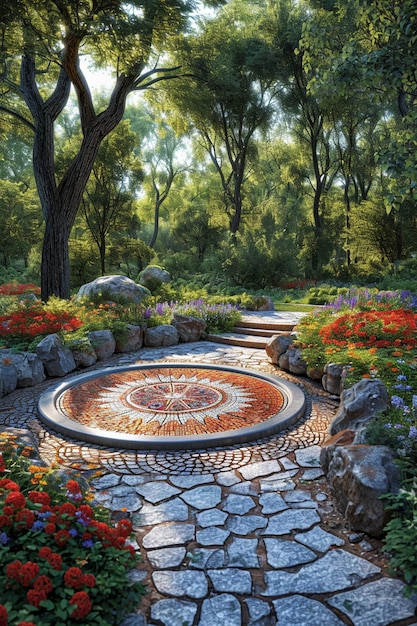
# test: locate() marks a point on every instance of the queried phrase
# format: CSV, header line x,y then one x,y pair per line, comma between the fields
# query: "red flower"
x,y
45,552
16,499
35,597
3,615
11,485
62,537
55,560
25,518
124,528
8,510
67,509
26,624
50,529
86,511
39,497
73,487
83,604
5,520
28,572
89,580
2,464
74,578
43,583
13,570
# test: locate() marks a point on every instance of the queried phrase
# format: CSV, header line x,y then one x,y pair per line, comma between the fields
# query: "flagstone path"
x,y
239,536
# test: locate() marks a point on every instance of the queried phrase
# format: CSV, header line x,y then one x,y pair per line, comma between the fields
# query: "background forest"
x,y
250,143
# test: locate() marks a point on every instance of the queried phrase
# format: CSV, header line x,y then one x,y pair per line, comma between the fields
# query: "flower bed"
x,y
61,562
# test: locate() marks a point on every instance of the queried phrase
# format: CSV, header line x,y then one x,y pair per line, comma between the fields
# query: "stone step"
x,y
251,323
237,339
259,332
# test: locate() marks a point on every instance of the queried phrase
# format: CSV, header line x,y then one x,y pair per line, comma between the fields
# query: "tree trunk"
x,y
55,269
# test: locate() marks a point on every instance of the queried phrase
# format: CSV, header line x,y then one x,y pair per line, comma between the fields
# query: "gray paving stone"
x,y
297,496
245,488
287,464
238,504
299,611
378,603
262,468
205,497
245,525
311,474
180,583
106,481
227,479
174,612
221,610
187,482
174,510
157,491
279,482
335,571
133,480
212,536
281,553
231,580
257,609
243,553
319,539
207,558
308,457
272,503
130,502
291,519
166,558
168,535
211,517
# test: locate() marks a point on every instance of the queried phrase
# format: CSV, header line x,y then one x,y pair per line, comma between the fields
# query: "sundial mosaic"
x,y
160,404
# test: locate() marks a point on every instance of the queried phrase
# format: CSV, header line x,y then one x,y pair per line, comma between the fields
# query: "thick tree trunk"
x,y
55,269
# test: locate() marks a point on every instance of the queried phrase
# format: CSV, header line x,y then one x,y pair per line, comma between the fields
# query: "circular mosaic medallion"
x,y
171,406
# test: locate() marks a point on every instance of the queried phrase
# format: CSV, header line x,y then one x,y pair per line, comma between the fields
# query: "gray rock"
x,y
258,611
243,553
296,363
358,475
205,497
83,353
152,274
292,519
299,611
261,468
175,510
8,376
180,583
171,535
308,457
29,367
238,504
114,289
207,558
332,378
272,503
231,580
186,482
211,517
162,335
189,328
278,345
359,404
221,610
378,603
281,553
335,571
57,359
103,343
212,536
131,339
318,539
174,612
157,491
166,558
245,525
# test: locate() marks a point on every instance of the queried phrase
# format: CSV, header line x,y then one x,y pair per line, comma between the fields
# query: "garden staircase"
x,y
255,329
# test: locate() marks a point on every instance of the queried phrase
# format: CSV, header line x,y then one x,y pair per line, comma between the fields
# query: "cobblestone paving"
x,y
241,536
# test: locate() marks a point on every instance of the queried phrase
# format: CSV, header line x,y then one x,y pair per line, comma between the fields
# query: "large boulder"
x,y
278,345
292,361
162,335
8,375
131,340
358,475
29,367
83,352
114,289
189,328
57,359
333,377
103,342
359,404
152,275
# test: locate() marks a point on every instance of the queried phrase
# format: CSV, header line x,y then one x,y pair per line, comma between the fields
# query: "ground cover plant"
x,y
61,561
374,334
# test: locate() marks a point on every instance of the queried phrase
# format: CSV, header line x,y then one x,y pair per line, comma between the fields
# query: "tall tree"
x,y
50,38
227,96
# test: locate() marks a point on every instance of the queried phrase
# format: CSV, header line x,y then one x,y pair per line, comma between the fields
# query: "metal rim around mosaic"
x,y
205,399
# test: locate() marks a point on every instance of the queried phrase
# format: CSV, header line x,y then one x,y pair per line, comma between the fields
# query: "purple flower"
x,y
412,433
73,532
397,402
38,525
87,543
4,539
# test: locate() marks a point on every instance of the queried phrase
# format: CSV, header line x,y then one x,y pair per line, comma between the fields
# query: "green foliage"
x,y
401,533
